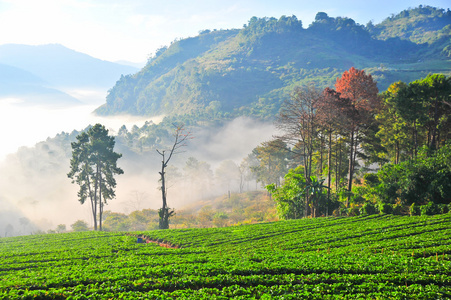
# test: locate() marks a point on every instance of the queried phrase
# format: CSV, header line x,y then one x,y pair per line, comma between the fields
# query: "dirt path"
x,y
147,240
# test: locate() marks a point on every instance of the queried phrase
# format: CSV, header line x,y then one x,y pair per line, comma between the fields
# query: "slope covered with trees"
x,y
390,150
250,71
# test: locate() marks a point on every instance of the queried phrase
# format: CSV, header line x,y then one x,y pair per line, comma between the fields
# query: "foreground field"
x,y
375,257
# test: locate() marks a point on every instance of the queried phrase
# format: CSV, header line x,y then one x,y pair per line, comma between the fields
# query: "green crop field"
x,y
373,257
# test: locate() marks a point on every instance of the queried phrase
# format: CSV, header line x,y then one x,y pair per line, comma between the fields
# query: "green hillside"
x,y
250,71
373,257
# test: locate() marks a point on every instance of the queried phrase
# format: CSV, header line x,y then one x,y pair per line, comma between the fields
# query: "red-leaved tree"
x,y
361,91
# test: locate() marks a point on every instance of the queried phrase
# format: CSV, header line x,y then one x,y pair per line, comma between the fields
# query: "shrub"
x,y
368,209
385,208
344,211
336,212
371,179
443,208
397,209
358,199
80,225
415,210
352,212
429,209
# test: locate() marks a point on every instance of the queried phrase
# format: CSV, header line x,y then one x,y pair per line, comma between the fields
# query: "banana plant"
x,y
314,189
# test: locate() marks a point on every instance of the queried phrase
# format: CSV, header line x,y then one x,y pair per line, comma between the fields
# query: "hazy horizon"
x,y
134,30
25,125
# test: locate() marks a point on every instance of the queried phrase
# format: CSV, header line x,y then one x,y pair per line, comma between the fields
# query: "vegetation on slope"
x,y
251,71
373,257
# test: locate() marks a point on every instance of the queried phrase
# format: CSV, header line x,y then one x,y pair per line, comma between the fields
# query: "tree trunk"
x,y
434,128
321,156
415,139
337,165
329,166
164,213
350,167
96,186
100,199
93,203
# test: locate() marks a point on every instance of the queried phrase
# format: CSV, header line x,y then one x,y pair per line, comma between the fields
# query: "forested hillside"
x,y
250,71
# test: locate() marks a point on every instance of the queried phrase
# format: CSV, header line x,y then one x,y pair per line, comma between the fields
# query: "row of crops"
x,y
374,257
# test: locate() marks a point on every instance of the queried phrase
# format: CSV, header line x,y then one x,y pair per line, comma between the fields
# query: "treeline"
x,y
346,149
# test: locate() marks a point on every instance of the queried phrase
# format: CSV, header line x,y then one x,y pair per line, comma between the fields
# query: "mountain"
x,y
26,88
63,67
423,24
250,71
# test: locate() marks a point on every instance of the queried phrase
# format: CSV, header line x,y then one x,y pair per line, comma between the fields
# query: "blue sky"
x,y
133,29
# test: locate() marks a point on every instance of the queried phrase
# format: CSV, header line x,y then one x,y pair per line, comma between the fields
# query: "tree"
x,y
436,93
180,138
330,122
289,196
80,225
9,229
314,188
61,228
273,157
93,166
246,174
425,107
299,121
362,94
199,175
421,180
393,129
228,172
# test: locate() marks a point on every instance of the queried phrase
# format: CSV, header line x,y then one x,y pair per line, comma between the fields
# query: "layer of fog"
x,y
34,185
23,124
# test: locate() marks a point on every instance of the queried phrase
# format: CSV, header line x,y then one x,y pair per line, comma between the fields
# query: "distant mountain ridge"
x,y
250,71
39,73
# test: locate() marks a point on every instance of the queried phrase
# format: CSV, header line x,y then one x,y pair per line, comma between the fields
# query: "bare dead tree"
x,y
298,121
180,139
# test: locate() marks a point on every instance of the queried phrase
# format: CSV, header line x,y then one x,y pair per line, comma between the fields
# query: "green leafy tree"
x,y
418,181
393,129
273,157
409,105
80,225
436,92
61,228
289,196
425,106
116,221
92,167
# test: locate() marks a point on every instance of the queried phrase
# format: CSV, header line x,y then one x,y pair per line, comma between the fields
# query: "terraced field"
x,y
374,257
